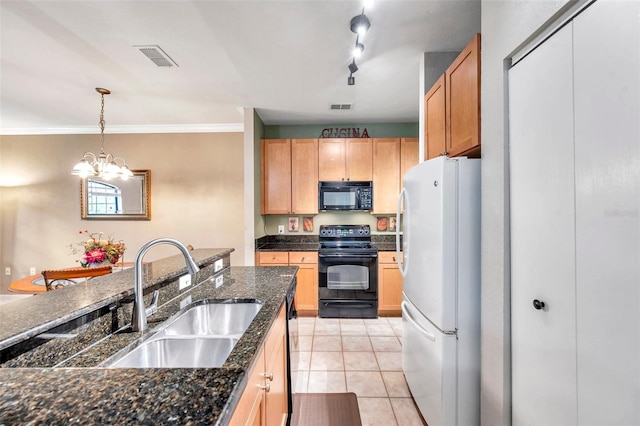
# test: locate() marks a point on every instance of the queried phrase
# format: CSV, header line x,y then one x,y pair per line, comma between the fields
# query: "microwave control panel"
x,y
366,198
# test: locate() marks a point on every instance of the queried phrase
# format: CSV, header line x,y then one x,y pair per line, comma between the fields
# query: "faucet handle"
x,y
153,308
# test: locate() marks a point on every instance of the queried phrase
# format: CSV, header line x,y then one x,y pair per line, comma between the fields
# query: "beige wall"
x,y
196,196
505,25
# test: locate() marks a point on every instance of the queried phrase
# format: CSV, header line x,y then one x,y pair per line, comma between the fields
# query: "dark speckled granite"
x,y
70,394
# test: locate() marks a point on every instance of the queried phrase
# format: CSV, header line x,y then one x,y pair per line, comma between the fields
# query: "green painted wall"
x,y
375,130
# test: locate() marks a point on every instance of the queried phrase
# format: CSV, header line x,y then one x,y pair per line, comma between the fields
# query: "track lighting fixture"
x,y
353,67
357,51
351,80
360,24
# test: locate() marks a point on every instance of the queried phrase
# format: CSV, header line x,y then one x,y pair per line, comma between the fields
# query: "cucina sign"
x,y
344,132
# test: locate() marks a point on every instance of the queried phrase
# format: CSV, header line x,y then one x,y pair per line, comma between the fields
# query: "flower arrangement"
x,y
97,250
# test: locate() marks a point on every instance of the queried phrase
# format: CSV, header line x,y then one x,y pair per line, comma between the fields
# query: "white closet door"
x,y
542,235
607,126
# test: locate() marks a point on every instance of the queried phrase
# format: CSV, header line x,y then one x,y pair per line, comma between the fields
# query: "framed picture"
x,y
293,223
382,224
307,224
392,223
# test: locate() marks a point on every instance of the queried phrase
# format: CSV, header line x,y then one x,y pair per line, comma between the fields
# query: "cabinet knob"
x,y
266,387
538,304
268,376
394,258
302,259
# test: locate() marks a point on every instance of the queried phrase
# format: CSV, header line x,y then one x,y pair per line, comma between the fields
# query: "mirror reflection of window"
x,y
104,198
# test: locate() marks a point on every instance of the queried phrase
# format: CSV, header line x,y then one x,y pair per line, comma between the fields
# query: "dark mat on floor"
x,y
326,409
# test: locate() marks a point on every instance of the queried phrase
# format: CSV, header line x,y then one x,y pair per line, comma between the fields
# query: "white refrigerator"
x,y
440,266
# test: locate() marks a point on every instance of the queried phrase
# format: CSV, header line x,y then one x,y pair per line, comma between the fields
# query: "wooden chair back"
x,y
53,275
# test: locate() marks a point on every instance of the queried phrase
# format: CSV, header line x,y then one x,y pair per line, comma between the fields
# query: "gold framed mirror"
x,y
116,199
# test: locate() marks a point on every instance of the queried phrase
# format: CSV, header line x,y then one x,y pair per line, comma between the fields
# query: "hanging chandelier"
x,y
103,165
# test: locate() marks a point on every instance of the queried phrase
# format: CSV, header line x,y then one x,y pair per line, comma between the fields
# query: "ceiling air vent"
x,y
157,55
341,106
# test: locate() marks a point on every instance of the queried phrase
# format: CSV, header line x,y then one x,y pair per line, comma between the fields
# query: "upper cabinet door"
x,y
304,176
359,159
276,176
386,174
409,155
435,120
331,164
463,101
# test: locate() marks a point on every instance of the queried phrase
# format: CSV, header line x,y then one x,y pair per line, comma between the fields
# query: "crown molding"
x,y
151,128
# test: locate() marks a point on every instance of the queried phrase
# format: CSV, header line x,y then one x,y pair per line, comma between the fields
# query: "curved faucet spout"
x,y
139,319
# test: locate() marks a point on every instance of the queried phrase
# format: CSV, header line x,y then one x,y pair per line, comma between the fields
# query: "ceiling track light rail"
x,y
359,25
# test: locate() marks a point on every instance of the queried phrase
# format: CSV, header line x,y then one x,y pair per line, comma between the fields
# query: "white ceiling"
x,y
287,59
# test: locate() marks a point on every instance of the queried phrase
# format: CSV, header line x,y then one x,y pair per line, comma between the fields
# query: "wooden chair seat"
x,y
53,275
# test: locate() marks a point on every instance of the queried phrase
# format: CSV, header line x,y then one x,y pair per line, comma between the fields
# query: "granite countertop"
x,y
78,390
311,243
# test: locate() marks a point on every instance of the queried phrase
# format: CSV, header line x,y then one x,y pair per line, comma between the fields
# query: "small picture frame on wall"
x,y
307,224
392,223
293,224
382,224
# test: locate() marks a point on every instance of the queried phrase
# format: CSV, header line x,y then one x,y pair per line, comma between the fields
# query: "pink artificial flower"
x,y
94,256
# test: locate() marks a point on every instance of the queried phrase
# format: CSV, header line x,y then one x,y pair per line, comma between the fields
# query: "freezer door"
x,y
430,239
429,360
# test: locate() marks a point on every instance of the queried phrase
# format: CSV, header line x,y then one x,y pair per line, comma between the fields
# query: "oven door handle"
x,y
370,255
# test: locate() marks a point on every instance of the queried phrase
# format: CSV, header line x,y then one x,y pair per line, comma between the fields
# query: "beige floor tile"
x,y
351,321
353,329
327,343
385,344
327,327
376,412
356,343
389,361
302,381
396,384
304,360
306,326
366,383
406,412
360,361
305,343
380,330
326,382
326,361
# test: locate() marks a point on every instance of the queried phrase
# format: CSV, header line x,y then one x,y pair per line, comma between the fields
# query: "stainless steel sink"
x,y
202,336
178,352
214,319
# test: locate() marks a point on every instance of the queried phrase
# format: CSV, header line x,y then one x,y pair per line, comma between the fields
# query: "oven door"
x,y
348,285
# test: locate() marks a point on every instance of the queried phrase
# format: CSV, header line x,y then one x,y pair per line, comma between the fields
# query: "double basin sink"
x,y
202,336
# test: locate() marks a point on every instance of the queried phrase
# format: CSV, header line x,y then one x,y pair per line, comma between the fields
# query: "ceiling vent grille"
x,y
341,106
157,55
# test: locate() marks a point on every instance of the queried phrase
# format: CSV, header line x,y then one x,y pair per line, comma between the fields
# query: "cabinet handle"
x,y
538,304
302,259
266,387
394,258
268,376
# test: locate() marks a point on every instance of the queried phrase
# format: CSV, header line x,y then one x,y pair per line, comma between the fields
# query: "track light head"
x,y
360,24
353,67
351,80
357,51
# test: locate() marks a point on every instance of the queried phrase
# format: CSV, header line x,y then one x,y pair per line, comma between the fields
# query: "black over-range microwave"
x,y
345,195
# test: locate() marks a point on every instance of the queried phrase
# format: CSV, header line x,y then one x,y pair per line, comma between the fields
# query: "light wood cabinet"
x,y
435,123
409,155
386,174
306,299
463,102
304,176
389,285
345,159
452,107
289,176
264,401
276,176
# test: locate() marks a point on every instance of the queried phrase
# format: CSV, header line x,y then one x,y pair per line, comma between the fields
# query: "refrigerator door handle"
x,y
402,266
421,330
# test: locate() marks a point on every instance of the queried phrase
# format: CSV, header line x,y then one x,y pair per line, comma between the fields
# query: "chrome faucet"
x,y
139,319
